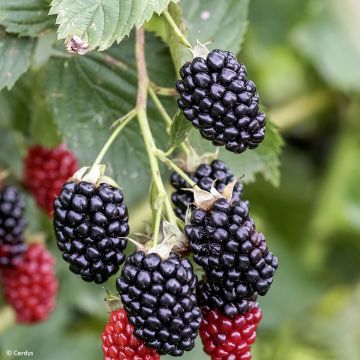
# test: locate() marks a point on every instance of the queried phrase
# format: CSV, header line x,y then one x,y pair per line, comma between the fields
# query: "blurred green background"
x,y
304,56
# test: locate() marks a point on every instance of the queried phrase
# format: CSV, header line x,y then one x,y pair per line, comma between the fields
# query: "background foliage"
x,y
304,56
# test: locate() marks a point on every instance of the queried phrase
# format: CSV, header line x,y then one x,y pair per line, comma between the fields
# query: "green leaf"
x,y
222,22
102,22
160,26
12,147
25,17
180,127
14,105
329,39
15,58
106,85
43,129
262,160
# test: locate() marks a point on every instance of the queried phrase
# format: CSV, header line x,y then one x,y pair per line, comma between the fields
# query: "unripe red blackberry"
x,y
91,223
12,224
219,100
225,338
45,171
224,299
31,286
226,244
204,176
158,296
120,343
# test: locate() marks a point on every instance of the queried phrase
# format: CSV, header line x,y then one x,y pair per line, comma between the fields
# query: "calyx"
x,y
94,175
172,240
205,200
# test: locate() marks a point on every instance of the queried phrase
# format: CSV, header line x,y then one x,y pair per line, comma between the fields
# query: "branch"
x,y
143,85
143,78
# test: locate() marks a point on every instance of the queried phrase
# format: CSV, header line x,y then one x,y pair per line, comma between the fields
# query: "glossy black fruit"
x,y
205,175
12,225
226,244
91,223
219,100
159,298
228,302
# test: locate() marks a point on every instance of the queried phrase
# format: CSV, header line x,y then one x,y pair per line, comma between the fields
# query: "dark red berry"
x,y
31,286
12,225
205,175
45,171
225,338
219,100
91,223
158,296
120,343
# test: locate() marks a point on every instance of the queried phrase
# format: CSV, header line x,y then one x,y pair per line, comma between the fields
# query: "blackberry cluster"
x,y
158,296
204,176
12,225
233,254
217,98
226,300
90,225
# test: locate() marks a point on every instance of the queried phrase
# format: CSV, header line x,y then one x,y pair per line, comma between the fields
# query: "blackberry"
x,y
204,176
226,244
219,100
158,296
12,225
91,223
227,301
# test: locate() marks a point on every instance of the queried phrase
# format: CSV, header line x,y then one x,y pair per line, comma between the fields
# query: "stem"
x,y
163,91
143,84
177,31
122,123
162,156
157,224
165,116
7,318
160,107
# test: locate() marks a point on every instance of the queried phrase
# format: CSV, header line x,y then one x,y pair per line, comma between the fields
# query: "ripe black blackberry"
x,y
204,176
159,298
12,225
217,297
226,244
91,223
219,100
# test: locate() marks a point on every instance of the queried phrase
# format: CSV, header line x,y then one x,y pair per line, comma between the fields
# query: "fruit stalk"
x,y
157,222
162,156
122,123
143,85
176,30
163,91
